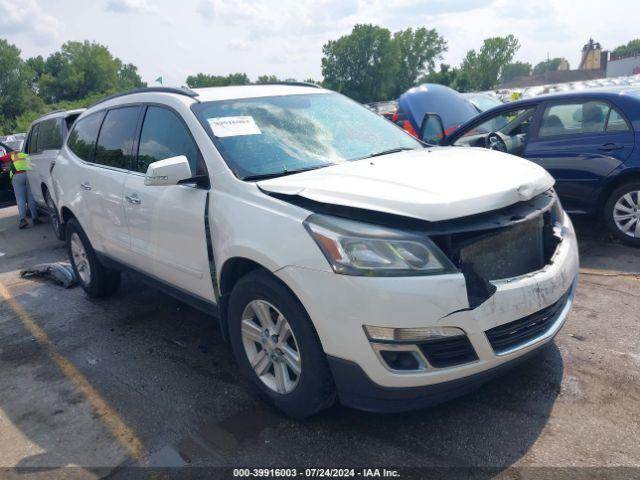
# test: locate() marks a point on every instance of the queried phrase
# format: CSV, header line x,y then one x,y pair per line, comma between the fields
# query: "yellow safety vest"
x,y
19,163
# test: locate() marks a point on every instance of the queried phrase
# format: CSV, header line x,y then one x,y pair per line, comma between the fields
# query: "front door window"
x,y
506,131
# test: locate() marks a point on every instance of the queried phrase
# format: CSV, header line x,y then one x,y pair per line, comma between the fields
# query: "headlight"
x,y
355,248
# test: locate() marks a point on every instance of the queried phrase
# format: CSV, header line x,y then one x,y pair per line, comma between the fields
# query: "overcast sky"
x,y
173,39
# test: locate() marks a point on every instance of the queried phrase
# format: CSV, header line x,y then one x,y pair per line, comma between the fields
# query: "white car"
x,y
343,258
43,143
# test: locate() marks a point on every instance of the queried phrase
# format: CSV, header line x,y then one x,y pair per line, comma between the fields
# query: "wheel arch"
x,y
631,175
66,214
232,271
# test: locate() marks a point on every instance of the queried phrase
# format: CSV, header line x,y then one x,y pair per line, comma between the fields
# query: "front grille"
x,y
517,333
506,252
447,352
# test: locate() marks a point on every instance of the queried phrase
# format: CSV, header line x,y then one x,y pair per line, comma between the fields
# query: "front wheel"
x,y
622,213
277,348
94,278
54,216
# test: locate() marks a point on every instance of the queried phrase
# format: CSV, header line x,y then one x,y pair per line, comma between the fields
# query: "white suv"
x,y
342,257
43,143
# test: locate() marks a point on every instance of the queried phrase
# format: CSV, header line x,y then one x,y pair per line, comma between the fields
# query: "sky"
x,y
174,39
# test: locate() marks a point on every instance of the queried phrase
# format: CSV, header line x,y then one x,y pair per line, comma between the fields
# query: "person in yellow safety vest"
x,y
18,165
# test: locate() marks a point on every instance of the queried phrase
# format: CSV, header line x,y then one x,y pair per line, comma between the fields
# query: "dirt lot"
x,y
141,379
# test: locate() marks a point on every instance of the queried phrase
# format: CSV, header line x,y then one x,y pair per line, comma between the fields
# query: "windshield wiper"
x,y
389,151
283,173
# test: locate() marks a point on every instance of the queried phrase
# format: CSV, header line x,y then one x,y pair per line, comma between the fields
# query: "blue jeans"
x,y
23,196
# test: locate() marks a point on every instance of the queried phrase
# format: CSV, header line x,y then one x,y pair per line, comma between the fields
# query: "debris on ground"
x,y
60,273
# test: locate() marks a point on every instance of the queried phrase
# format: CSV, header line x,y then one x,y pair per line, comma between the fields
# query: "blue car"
x,y
589,141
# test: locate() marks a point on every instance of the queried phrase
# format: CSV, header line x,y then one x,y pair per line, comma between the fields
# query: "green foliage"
x,y
630,49
202,80
362,64
484,67
370,64
16,96
547,66
449,76
81,69
514,70
76,76
418,51
267,79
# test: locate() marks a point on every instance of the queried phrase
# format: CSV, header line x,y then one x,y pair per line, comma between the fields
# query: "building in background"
x,y
593,66
593,57
619,66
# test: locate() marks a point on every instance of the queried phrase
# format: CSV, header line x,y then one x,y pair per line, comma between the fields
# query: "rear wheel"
x,y
54,216
622,213
277,348
95,279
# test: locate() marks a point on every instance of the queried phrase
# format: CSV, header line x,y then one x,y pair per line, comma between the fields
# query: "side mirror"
x,y
170,171
432,128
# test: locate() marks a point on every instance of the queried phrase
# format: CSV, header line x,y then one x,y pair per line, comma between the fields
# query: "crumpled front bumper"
x,y
340,305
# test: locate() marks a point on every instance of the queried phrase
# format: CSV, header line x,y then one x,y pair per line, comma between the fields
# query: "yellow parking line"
x,y
125,435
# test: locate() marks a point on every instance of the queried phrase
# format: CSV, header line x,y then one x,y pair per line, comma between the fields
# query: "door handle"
x,y
86,186
133,199
608,147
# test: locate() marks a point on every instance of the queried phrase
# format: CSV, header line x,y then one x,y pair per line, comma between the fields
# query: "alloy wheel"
x,y
626,214
271,346
80,260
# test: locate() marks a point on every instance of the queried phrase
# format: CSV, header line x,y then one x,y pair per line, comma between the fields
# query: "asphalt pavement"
x,y
98,387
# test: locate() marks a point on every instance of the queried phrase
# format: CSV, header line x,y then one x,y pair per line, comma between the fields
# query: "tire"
x,y
622,212
58,230
94,278
301,395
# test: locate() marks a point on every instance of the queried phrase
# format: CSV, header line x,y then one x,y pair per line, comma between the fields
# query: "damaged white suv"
x,y
343,258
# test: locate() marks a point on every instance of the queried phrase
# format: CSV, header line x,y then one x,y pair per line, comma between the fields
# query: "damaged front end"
x,y
496,245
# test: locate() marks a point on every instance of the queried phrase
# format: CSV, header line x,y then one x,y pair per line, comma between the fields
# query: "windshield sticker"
x,y
233,126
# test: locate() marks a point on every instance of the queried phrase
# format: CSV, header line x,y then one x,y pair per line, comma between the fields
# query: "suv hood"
x,y
433,184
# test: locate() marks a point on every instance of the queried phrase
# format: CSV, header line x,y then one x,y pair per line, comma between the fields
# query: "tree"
x,y
16,96
484,67
629,50
81,69
418,52
128,77
515,70
203,80
547,66
36,64
267,79
371,64
363,64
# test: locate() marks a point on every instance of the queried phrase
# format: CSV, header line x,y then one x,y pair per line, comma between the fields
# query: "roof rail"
x,y
50,113
294,84
180,91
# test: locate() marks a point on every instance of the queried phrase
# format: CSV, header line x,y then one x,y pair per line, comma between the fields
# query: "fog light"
x,y
399,360
389,334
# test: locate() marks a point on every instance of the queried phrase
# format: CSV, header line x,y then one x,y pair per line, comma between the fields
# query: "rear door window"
x,y
575,118
115,140
617,122
49,135
163,136
82,139
32,141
